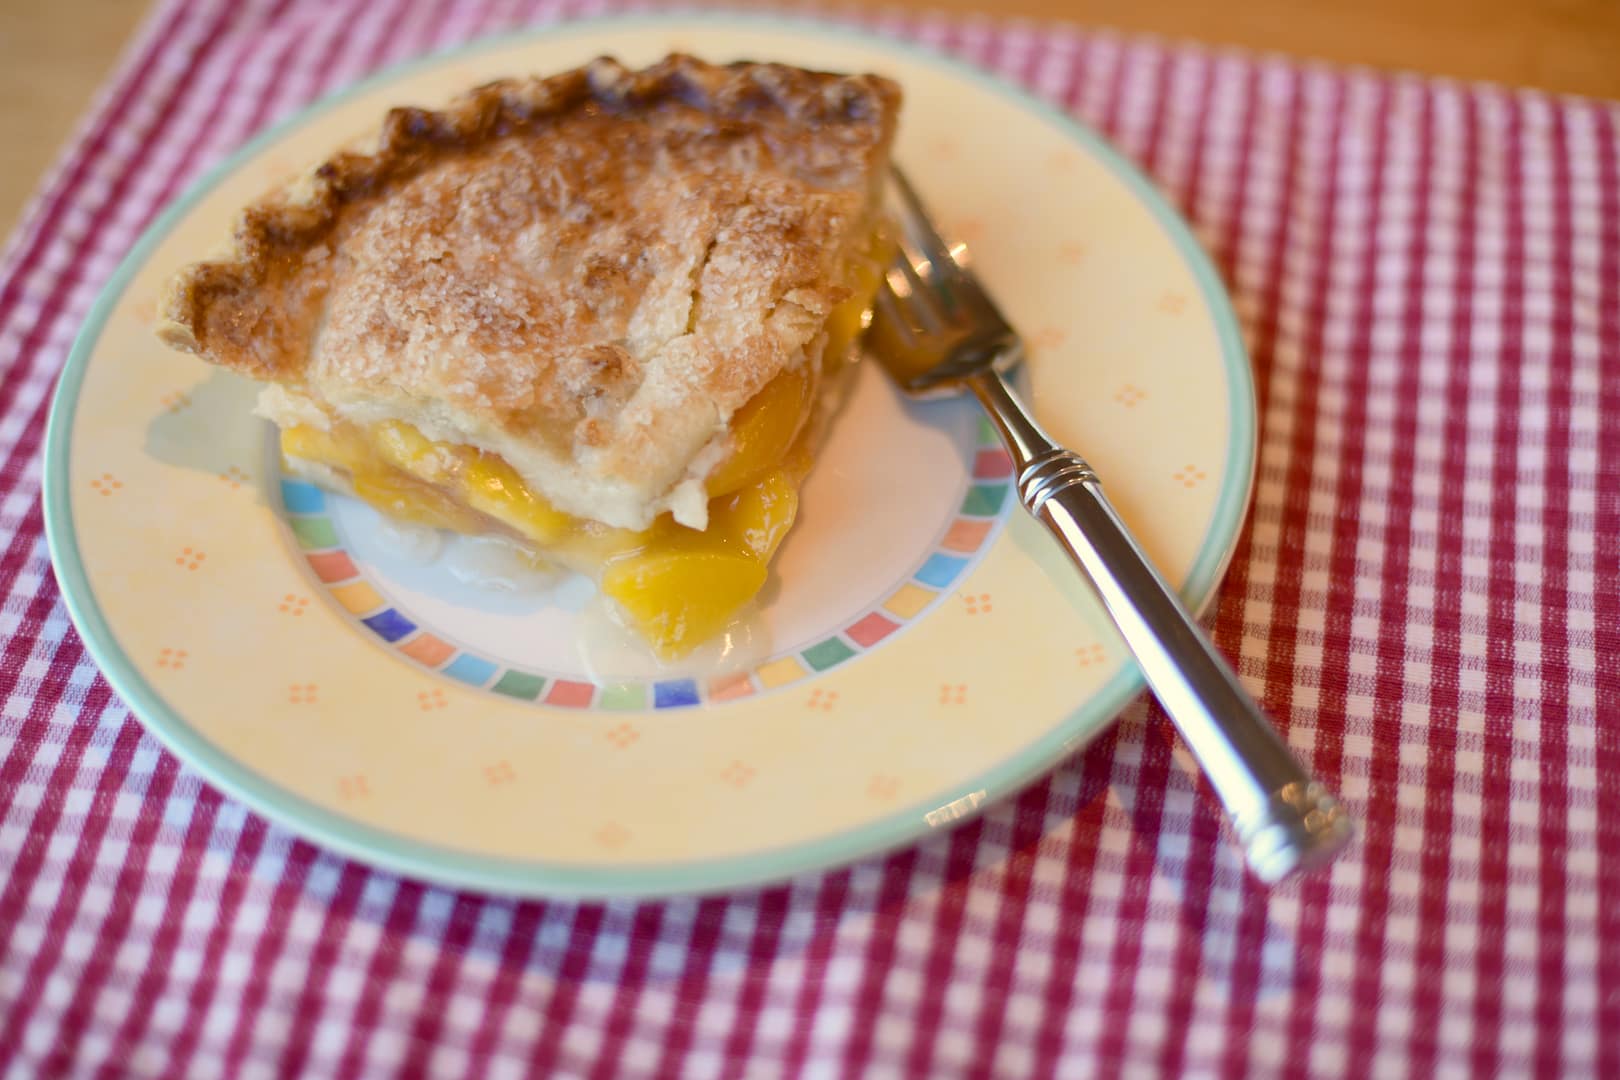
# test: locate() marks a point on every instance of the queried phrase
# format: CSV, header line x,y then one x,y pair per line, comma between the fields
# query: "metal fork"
x,y
938,332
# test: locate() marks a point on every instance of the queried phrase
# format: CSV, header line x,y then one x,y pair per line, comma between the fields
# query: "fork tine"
x,y
933,326
890,324
954,283
924,294
946,290
917,221
919,227
887,306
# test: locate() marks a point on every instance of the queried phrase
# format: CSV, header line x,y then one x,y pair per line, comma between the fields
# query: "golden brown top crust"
x,y
580,262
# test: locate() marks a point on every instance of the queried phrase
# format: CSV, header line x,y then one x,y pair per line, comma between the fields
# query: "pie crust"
x,y
586,274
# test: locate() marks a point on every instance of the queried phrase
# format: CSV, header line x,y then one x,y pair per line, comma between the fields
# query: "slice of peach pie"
x,y
594,314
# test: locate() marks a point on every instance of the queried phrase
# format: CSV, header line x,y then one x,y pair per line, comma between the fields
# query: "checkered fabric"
x,y
1427,596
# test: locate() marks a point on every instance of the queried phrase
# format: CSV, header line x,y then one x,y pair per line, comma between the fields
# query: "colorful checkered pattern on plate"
x,y
305,511
1428,597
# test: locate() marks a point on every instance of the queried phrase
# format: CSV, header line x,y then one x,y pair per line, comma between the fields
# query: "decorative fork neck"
x,y
1026,440
1044,468
1052,474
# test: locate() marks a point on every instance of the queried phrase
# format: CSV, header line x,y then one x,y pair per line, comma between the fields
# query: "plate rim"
x,y
422,860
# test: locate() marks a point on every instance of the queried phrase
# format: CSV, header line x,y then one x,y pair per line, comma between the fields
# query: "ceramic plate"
x,y
923,649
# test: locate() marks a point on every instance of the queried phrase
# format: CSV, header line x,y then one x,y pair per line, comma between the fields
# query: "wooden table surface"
x,y
55,53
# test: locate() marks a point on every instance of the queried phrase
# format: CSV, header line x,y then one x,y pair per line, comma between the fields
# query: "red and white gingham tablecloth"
x,y
1427,596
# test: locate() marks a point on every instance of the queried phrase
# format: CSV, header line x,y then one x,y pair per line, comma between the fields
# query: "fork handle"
x,y
1284,820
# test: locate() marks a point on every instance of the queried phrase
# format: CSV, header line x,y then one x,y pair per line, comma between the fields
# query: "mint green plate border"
x,y
448,866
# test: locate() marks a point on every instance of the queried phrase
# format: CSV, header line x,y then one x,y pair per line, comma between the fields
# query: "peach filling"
x,y
675,586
